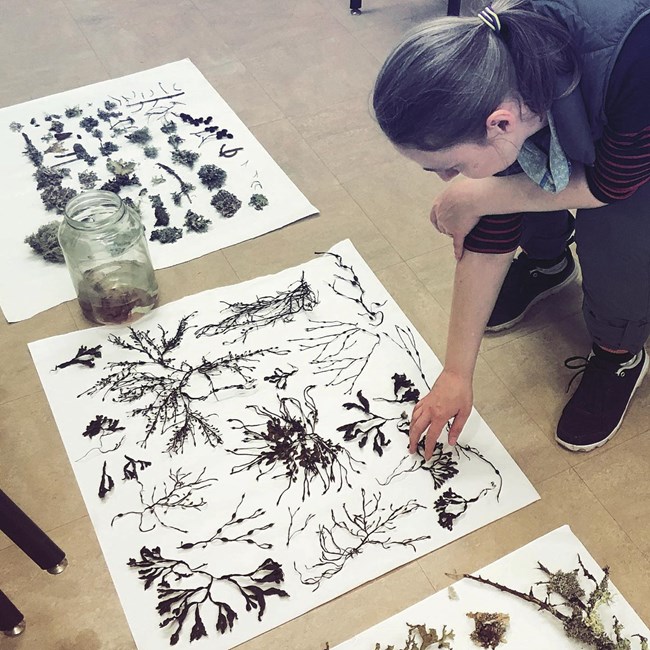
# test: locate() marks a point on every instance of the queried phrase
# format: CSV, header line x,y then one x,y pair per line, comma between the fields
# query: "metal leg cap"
x,y
59,568
355,12
16,631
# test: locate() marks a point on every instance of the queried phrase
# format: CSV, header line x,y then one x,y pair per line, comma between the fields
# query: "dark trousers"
x,y
613,244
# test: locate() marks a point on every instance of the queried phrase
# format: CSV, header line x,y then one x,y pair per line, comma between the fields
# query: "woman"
x,y
543,106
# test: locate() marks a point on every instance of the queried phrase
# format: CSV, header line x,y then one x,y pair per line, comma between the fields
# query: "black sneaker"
x,y
595,411
527,282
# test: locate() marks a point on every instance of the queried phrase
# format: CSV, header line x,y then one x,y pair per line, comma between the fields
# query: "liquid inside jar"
x,y
112,293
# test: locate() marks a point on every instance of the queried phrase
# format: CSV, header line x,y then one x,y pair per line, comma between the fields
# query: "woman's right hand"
x,y
450,398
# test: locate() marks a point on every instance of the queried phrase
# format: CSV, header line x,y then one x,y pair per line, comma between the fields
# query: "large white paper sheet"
x,y
248,411
154,99
528,628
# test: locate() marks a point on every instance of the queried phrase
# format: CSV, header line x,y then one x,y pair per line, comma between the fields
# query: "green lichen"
x,y
212,177
185,157
45,242
196,222
225,203
258,201
167,235
150,152
140,136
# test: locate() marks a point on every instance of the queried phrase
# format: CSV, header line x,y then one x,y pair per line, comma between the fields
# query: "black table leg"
x,y
355,7
16,525
453,7
11,619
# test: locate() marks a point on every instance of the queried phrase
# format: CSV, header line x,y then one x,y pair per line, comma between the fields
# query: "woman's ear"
x,y
500,122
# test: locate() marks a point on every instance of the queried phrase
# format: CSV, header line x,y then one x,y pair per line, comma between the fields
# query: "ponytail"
x,y
438,86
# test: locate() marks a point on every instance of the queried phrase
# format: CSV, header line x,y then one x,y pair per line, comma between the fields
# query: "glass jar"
x,y
106,252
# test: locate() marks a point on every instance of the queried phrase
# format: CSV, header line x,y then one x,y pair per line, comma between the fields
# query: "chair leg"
x,y
355,7
453,7
12,622
16,525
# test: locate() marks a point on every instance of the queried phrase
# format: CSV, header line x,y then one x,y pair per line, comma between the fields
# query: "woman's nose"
x,y
447,175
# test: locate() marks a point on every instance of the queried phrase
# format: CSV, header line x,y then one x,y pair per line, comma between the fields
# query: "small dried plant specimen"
x,y
107,148
185,593
280,377
140,136
225,203
132,467
168,235
150,152
225,535
450,506
213,177
56,197
159,211
441,466
287,442
31,151
106,432
50,177
421,637
293,528
489,629
576,607
84,357
185,188
347,285
162,385
258,201
45,242
88,179
264,310
349,533
157,105
178,494
106,483
88,123
185,157
195,222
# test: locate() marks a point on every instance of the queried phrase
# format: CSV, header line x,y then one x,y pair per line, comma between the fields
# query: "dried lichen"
x,y
140,136
196,222
45,242
166,235
212,177
258,201
420,637
107,148
489,629
160,211
150,152
55,197
74,111
48,176
88,123
185,157
225,203
88,179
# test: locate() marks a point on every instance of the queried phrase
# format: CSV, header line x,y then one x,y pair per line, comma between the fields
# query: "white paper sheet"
x,y
528,628
347,344
28,284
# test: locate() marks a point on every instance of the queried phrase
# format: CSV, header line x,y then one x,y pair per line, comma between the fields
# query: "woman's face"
x,y
470,160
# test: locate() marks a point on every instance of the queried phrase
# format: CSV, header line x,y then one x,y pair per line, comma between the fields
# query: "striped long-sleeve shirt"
x,y
622,154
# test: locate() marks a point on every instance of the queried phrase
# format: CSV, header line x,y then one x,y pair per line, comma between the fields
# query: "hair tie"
x,y
491,19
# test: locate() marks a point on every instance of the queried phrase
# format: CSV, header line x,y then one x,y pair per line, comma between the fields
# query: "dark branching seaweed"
x,y
185,157
441,466
468,452
226,536
212,177
349,534
578,610
164,387
342,349
185,188
45,242
347,285
34,155
133,466
225,203
184,593
405,340
280,377
291,533
369,424
177,495
102,425
84,357
159,210
224,152
195,222
106,483
450,506
258,201
265,310
168,235
287,442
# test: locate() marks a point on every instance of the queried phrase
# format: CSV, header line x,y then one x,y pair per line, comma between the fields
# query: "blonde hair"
x,y
439,85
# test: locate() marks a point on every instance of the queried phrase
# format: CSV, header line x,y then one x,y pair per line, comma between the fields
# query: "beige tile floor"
x,y
299,72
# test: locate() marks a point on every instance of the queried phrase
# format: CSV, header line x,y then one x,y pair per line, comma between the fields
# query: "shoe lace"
x,y
593,389
576,363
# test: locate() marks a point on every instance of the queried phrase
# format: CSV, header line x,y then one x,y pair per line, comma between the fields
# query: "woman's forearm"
x,y
476,286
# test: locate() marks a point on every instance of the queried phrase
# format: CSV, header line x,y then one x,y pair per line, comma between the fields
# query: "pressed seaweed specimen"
x,y
212,177
185,188
185,593
226,536
347,285
133,466
177,495
34,155
489,629
195,222
106,483
45,242
225,203
287,442
229,153
264,310
421,637
350,533
441,466
291,532
280,377
84,357
102,425
159,211
166,388
185,157
167,235
155,100
579,610
450,506
405,340
258,201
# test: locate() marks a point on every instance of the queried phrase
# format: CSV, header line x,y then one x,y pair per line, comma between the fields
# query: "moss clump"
x,y
166,235
140,136
196,222
185,157
225,203
150,152
212,177
45,242
50,176
258,201
107,148
55,197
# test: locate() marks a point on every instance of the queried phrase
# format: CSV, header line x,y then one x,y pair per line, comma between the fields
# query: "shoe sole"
x,y
532,303
585,448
